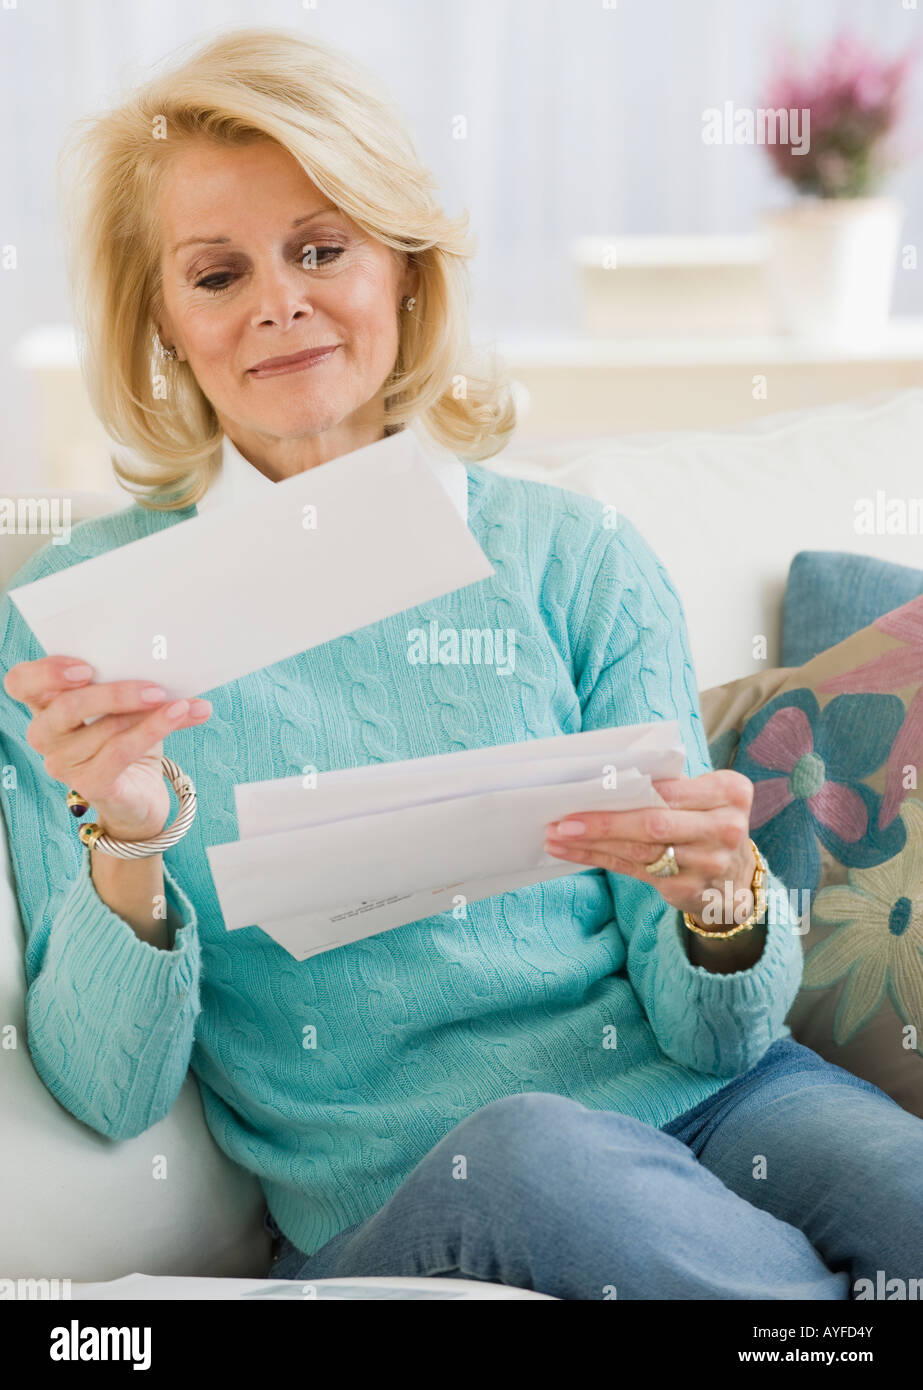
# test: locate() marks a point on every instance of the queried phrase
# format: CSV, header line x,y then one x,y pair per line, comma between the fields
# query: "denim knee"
x,y
517,1126
529,1149
515,1145
546,1182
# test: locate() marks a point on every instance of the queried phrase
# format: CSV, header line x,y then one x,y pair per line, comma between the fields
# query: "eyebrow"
x,y
223,240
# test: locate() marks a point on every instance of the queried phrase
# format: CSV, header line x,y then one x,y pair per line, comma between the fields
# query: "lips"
x,y
293,361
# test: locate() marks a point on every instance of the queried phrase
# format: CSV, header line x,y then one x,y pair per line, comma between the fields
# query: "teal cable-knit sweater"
x,y
419,1026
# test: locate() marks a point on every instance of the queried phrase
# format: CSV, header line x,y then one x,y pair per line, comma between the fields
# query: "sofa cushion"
x,y
834,749
74,1204
726,510
831,594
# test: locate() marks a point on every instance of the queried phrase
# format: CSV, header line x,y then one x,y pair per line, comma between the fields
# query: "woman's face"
x,y
247,284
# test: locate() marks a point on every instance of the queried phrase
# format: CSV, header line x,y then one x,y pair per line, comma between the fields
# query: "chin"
x,y
294,424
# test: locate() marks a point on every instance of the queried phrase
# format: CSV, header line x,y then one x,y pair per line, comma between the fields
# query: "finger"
x,y
653,826
709,792
133,743
68,759
712,789
705,861
36,683
684,883
72,707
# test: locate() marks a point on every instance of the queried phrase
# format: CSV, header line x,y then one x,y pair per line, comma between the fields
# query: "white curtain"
x,y
583,117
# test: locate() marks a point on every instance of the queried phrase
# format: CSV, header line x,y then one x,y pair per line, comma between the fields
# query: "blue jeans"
x,y
793,1181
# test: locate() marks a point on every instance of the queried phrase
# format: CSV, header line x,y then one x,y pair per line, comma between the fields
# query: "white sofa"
x,y
725,512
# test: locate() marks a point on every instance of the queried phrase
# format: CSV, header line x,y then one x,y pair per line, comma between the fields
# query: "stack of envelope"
x,y
326,860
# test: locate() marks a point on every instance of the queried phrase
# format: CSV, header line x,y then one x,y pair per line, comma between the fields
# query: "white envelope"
x,y
317,886
307,932
266,807
217,596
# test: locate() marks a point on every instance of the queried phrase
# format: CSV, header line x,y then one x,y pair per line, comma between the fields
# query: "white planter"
x,y
831,264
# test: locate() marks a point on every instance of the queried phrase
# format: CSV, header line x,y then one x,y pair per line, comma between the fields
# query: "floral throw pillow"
x,y
834,750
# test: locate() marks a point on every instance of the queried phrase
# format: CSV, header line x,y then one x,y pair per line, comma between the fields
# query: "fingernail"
x,y
77,673
177,710
565,828
153,694
200,707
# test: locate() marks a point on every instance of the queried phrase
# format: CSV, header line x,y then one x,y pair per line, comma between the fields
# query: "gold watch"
x,y
758,889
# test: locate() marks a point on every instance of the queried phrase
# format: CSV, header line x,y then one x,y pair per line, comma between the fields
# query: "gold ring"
x,y
664,867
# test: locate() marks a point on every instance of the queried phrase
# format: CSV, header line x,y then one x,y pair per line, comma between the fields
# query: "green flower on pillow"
x,y
807,767
879,944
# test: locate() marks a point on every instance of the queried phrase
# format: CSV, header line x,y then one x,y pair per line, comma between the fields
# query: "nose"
x,y
281,298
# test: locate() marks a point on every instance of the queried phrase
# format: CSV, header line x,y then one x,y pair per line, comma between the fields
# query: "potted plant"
x,y
832,253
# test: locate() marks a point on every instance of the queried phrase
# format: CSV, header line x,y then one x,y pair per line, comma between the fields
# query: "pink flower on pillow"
x,y
809,767
786,745
894,670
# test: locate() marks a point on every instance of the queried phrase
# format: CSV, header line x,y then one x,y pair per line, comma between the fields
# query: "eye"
x,y
214,289
325,255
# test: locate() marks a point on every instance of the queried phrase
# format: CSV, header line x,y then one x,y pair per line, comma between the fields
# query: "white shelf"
x,y
902,341
662,252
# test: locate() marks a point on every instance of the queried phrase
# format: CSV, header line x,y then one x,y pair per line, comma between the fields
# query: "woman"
x,y
585,1087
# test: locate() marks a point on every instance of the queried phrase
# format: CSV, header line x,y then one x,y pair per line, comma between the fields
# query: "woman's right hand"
x,y
114,763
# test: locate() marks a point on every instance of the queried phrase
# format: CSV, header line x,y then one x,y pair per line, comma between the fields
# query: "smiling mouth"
x,y
297,363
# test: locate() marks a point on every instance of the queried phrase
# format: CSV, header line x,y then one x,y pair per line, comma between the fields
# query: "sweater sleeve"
x,y
633,665
110,1019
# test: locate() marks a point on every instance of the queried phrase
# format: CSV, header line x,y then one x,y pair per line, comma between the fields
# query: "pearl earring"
x,y
408,303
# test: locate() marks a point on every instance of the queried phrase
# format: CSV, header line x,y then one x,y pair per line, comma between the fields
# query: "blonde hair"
x,y
343,129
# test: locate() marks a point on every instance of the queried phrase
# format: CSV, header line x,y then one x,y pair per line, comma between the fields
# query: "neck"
x,y
278,458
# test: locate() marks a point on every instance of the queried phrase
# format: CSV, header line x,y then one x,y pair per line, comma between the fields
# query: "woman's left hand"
x,y
707,821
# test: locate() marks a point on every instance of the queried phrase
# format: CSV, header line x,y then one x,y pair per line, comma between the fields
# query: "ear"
x,y
167,335
410,281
